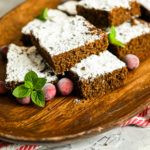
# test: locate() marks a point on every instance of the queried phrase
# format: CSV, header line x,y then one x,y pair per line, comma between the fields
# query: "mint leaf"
x,y
30,76
118,43
113,31
44,15
39,83
38,98
21,92
28,84
112,38
32,87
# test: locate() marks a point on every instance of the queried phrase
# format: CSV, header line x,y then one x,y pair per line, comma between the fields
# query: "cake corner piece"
x,y
61,52
135,34
54,14
108,11
21,60
98,75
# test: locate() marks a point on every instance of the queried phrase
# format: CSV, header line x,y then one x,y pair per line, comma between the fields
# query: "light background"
x,y
128,138
7,5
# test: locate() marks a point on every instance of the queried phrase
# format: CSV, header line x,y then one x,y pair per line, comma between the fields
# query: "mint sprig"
x,y
112,38
37,97
21,91
44,15
32,87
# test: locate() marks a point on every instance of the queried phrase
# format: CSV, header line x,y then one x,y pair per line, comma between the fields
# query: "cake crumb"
x,y
83,68
77,101
133,22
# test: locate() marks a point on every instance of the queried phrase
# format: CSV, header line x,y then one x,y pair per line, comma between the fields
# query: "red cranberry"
x,y
3,51
49,91
2,88
65,86
132,61
24,101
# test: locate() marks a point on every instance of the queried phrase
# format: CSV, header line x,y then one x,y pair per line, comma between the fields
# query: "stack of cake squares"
x,y
123,14
77,46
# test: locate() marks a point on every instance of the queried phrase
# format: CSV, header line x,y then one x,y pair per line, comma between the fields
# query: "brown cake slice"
x,y
21,60
145,9
105,13
98,75
54,15
65,43
135,35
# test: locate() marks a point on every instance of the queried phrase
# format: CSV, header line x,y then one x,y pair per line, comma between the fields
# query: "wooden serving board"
x,y
63,120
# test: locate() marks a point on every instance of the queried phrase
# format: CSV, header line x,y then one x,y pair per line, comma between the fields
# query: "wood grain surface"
x,y
63,120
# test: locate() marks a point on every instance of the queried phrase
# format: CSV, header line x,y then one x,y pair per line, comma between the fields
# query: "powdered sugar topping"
x,y
106,5
126,32
63,36
95,65
21,60
69,7
54,15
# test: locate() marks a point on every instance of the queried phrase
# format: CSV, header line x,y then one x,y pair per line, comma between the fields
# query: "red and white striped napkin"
x,y
141,120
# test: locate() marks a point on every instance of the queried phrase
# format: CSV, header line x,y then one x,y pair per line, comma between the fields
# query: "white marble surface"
x,y
127,138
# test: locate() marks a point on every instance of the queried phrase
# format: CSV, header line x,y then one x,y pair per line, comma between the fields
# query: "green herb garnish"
x,y
112,38
32,87
44,15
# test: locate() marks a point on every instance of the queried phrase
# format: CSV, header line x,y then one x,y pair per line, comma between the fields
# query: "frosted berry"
x,y
3,51
24,101
65,86
132,61
2,87
49,91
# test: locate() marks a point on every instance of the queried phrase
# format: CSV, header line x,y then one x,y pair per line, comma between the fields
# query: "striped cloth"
x,y
141,120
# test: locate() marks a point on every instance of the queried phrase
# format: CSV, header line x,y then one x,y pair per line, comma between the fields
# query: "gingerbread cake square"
x,y
135,34
54,15
21,60
98,75
65,43
106,13
145,9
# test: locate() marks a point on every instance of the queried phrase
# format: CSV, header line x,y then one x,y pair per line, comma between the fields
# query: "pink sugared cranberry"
x,y
24,101
49,91
2,87
65,86
3,51
132,61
